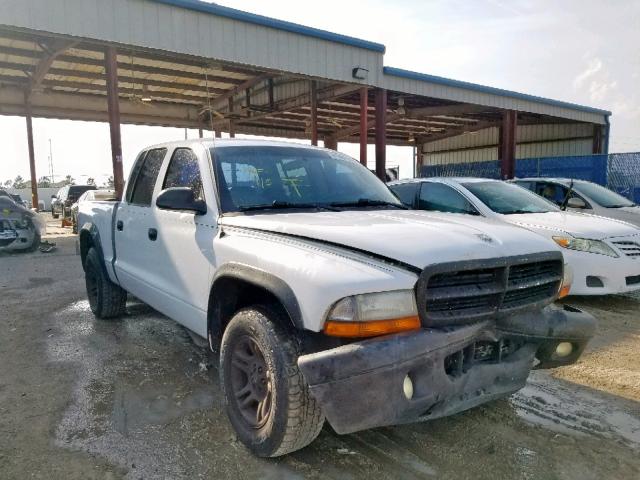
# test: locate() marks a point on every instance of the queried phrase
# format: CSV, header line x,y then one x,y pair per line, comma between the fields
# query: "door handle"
x,y
153,234
119,225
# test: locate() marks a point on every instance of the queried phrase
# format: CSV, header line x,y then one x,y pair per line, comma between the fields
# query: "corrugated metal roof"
x,y
291,27
398,72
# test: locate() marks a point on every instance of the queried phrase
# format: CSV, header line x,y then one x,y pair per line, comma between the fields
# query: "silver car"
x,y
586,197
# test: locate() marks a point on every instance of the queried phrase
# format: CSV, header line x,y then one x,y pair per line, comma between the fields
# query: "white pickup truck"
x,y
326,297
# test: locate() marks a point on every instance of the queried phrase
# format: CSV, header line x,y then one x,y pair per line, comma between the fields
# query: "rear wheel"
x,y
106,299
53,213
268,401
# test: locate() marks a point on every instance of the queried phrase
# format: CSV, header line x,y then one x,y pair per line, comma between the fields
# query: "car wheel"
x,y
267,399
74,224
106,299
54,214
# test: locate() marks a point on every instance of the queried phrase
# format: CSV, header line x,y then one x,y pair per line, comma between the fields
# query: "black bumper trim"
x,y
360,385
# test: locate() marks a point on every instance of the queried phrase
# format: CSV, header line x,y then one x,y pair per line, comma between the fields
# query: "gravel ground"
x,y
136,398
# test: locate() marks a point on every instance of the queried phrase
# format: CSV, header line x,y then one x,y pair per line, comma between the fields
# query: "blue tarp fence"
x,y
617,171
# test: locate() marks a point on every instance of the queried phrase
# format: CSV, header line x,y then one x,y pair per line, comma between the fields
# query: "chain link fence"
x,y
617,171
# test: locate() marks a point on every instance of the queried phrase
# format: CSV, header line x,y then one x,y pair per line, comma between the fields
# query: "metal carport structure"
x,y
193,64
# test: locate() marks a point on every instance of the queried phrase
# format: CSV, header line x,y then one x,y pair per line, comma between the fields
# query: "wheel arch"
x,y
89,236
237,285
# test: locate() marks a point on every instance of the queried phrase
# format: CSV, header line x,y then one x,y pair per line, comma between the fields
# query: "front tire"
x,y
54,214
106,299
268,401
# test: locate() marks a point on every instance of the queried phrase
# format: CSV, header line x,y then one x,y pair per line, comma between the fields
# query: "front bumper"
x,y
616,275
360,385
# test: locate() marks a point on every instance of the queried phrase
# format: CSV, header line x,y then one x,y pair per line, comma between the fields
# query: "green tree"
x,y
19,182
91,181
44,182
109,183
69,180
8,183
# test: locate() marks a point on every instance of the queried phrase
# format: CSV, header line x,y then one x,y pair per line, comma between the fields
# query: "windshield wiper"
x,y
281,205
516,212
368,202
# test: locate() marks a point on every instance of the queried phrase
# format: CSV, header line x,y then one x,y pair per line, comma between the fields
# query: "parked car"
x,y
585,197
20,228
328,297
604,254
68,195
89,196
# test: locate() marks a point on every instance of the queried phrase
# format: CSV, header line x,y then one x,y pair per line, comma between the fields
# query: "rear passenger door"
x,y
134,220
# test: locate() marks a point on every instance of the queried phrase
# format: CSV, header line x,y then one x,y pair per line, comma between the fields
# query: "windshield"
x,y
509,199
602,196
270,177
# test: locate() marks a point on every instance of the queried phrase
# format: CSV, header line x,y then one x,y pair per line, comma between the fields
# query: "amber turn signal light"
x,y
372,328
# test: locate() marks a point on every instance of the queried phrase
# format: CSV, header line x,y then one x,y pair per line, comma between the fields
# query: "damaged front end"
x,y
433,373
484,325
20,228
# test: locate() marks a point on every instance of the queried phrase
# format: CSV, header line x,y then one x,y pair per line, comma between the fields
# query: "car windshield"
x,y
278,177
602,196
508,199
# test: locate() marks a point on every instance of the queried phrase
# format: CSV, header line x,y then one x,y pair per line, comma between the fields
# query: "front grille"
x,y
630,249
469,294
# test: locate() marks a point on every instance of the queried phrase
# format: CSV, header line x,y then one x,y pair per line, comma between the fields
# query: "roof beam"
x,y
51,52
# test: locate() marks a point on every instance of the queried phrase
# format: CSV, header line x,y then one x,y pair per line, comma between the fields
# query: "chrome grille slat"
x,y
628,247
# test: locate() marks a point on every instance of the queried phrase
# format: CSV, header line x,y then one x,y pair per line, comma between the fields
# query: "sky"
x,y
580,51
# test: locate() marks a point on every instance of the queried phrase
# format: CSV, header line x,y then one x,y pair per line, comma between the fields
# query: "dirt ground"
x,y
136,398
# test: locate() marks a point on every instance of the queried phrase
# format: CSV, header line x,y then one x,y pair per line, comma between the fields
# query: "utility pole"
x,y
51,163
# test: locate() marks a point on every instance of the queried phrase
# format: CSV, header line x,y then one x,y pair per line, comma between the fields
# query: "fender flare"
x,y
89,229
260,278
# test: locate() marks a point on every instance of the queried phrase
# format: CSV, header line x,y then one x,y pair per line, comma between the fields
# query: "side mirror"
x,y
575,202
180,198
53,197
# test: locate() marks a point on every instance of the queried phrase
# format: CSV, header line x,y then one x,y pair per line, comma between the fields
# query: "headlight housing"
x,y
585,245
373,314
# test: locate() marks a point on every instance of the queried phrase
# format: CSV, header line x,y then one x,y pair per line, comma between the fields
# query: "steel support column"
x,y
314,112
232,127
507,143
597,139
364,126
113,106
381,133
32,156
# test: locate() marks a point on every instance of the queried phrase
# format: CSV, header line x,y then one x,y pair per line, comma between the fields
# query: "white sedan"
x,y
604,254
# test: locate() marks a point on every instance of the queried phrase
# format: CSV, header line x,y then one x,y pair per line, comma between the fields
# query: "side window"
x,y
134,175
183,171
406,192
442,198
146,179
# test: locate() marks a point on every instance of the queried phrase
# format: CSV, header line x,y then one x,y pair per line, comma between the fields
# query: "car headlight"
x,y
373,314
585,245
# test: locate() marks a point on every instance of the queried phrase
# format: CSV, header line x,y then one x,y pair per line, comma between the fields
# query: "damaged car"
x,y
325,297
20,228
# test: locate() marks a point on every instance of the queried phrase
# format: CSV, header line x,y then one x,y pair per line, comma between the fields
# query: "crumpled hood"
x,y
576,224
417,238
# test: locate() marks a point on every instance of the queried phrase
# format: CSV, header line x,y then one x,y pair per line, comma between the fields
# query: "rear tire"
x,y
106,299
54,214
267,399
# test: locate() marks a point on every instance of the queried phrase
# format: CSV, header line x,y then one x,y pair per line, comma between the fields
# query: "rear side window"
x,y
146,176
442,198
184,171
406,192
